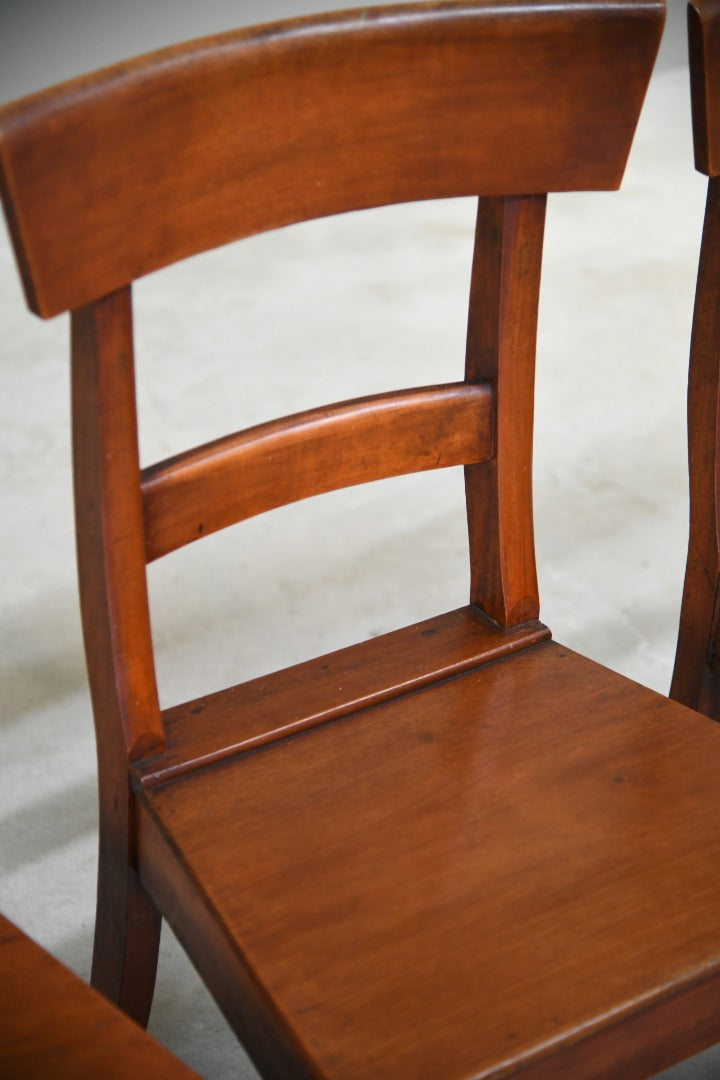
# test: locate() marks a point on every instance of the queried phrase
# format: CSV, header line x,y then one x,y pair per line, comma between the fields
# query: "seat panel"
x,y
53,1024
370,868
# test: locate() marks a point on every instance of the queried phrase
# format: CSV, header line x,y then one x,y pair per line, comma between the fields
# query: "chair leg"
x,y
127,935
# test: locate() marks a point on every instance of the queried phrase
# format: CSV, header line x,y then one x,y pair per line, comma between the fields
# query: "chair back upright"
x,y
696,676
118,174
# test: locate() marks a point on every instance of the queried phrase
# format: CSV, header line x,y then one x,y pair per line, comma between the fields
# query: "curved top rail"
x,y
109,177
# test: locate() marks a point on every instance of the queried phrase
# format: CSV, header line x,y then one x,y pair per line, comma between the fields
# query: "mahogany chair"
x,y
53,1024
696,678
458,849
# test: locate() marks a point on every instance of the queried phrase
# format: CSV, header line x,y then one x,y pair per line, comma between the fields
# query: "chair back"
x,y
116,174
110,177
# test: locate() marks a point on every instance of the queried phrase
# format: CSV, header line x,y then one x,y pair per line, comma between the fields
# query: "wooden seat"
x,y
53,1024
463,880
458,849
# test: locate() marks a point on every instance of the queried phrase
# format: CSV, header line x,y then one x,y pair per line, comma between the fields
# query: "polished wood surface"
x,y
118,644
53,1025
696,677
502,328
704,49
457,850
470,880
328,114
321,450
260,711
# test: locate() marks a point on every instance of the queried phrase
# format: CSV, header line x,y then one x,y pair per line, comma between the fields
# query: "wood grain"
x,y
457,850
509,872
109,524
244,717
233,478
230,135
501,336
704,47
53,1025
116,631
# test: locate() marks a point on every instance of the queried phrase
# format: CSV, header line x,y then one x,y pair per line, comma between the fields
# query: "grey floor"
x,y
364,302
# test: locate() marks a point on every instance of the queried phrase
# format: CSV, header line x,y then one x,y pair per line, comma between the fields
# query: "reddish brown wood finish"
x,y
457,850
501,336
329,114
696,677
510,872
247,716
53,1025
118,646
268,466
704,42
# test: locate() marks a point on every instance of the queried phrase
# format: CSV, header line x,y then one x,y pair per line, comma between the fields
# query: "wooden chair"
x,y
696,679
53,1024
458,849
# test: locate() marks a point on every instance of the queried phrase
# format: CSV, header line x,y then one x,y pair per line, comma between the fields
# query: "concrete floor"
x,y
366,302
